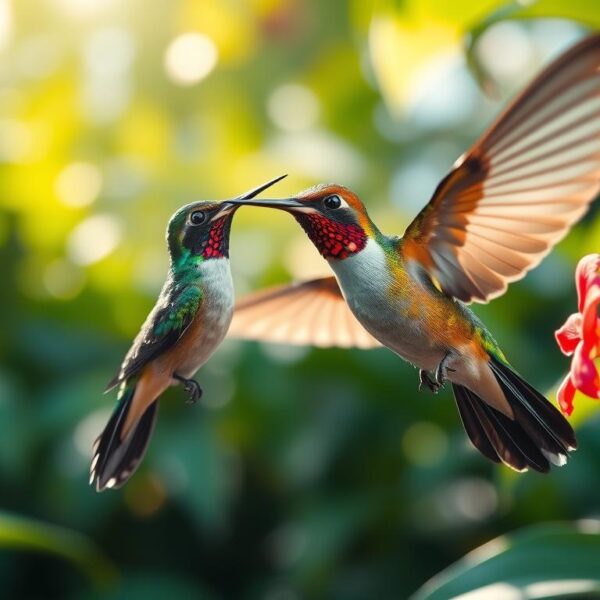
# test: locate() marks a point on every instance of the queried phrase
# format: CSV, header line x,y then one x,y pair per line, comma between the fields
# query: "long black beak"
x,y
282,204
229,206
257,190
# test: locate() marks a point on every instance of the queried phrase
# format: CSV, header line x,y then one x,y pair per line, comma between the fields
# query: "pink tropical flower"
x,y
580,336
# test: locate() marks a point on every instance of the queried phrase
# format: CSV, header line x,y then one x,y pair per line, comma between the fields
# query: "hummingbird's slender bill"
x,y
500,210
187,324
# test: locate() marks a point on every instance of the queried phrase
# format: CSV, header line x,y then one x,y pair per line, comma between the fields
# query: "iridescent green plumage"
x,y
118,450
177,338
181,310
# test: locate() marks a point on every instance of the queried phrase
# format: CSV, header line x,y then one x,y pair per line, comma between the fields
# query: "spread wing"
x,y
310,313
517,192
168,321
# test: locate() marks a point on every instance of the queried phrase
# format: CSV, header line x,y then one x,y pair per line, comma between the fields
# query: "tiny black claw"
x,y
192,387
425,381
194,390
442,370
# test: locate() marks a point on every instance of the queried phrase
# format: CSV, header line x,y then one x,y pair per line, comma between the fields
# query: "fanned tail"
x,y
115,459
538,436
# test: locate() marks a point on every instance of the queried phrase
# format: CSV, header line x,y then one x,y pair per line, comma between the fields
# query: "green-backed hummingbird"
x,y
185,327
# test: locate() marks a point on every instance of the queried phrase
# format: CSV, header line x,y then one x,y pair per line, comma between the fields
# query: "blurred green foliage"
x,y
303,473
539,562
17,532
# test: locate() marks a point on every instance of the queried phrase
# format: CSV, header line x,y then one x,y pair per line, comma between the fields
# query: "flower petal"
x,y
569,335
587,275
590,325
580,336
565,395
584,373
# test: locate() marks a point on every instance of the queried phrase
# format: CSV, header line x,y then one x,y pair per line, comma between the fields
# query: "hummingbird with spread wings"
x,y
185,327
504,205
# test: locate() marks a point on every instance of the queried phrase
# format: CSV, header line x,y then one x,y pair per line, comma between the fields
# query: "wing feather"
x,y
517,192
168,321
310,313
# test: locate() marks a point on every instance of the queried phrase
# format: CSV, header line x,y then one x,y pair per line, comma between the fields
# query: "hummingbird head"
x,y
332,216
201,229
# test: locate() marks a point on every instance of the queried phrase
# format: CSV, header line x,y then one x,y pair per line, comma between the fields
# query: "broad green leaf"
x,y
547,561
19,533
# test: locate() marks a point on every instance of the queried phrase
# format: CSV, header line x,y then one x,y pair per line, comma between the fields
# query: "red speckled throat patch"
x,y
217,244
332,238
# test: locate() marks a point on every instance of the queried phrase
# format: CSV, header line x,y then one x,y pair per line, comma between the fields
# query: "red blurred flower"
x,y
580,336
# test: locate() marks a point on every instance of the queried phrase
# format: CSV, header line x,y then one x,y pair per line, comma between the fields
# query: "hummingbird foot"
x,y
441,373
425,381
191,386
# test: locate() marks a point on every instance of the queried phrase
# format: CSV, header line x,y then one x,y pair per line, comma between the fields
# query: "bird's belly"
x,y
391,324
389,316
205,336
210,325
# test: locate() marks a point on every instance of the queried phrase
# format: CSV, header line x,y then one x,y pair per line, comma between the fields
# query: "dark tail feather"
x,y
467,404
539,434
115,460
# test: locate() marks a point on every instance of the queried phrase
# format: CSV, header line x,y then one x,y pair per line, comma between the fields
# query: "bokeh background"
x,y
303,473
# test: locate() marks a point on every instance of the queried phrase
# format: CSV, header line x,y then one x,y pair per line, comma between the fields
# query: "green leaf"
x,y
27,534
546,561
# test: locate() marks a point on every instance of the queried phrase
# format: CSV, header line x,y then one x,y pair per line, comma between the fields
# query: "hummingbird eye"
x,y
197,217
332,202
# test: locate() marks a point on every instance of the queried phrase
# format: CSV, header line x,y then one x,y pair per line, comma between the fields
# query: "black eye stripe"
x,y
332,202
197,217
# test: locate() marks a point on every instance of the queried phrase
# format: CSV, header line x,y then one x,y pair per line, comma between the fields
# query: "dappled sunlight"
x,y
190,58
319,155
94,238
507,52
293,107
83,9
63,279
78,184
16,141
300,472
106,90
401,51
